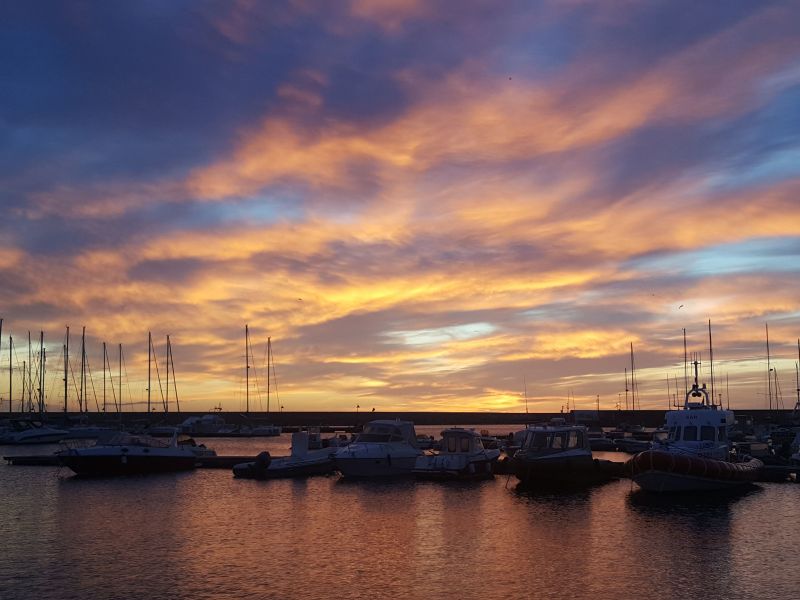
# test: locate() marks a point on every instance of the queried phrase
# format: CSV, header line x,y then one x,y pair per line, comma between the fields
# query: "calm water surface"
x,y
205,535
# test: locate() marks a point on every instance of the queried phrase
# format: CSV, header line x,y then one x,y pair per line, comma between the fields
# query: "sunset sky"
x,y
426,205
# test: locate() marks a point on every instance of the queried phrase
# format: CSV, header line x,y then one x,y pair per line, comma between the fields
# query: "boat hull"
x,y
284,469
386,466
559,471
658,471
107,465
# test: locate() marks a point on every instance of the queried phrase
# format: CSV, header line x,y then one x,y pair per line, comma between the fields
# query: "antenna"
x,y
685,363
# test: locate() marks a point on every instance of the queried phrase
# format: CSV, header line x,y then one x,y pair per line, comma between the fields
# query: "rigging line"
x,y
274,379
94,392
158,374
174,383
255,379
127,382
107,365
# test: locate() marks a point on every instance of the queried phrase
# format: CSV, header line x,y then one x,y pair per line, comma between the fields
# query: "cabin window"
x,y
674,433
575,440
690,433
478,444
707,433
723,433
537,441
465,444
451,444
559,441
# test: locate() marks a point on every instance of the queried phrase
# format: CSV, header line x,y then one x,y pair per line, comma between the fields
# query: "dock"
x,y
52,460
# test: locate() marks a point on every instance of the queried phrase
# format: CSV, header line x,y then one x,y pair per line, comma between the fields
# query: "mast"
x,y
633,381
525,386
797,380
171,364
24,386
269,357
247,371
104,377
711,358
9,351
83,370
727,391
10,371
119,380
166,403
149,363
66,370
30,376
40,375
769,370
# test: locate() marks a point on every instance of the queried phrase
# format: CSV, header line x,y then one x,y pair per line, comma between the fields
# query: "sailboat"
x,y
257,430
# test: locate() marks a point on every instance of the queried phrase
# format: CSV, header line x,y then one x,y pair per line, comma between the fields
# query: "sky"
x,y
424,205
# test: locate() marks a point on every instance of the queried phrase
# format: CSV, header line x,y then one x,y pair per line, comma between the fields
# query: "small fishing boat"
x,y
128,454
462,456
384,449
302,462
696,454
558,454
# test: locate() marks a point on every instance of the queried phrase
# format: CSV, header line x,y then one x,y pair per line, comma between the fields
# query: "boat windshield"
x,y
554,440
380,433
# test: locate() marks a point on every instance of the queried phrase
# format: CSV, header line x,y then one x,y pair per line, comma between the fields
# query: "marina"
x,y
203,529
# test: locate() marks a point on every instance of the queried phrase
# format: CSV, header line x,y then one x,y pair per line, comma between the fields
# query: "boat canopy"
x,y
457,440
555,438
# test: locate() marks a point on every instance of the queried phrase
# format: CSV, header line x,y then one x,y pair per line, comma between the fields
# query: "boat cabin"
x,y
461,441
550,439
386,431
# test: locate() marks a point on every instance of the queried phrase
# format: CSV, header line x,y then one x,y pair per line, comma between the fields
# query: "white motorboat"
x,y
209,424
462,456
696,454
301,463
130,454
384,449
21,431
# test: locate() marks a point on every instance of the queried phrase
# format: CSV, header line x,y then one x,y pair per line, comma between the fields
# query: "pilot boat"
x,y
384,449
696,455
556,454
127,454
462,456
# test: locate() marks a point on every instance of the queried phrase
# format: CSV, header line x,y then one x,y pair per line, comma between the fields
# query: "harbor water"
x,y
205,535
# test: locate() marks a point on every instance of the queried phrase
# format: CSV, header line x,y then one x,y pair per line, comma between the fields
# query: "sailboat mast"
x,y
149,364
269,361
525,387
10,372
104,377
685,364
171,364
119,378
83,369
30,376
769,370
633,381
797,378
166,402
247,370
66,371
711,358
41,372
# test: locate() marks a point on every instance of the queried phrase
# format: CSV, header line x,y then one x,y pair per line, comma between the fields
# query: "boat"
x,y
462,456
301,463
558,454
23,431
385,448
128,454
696,454
209,424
